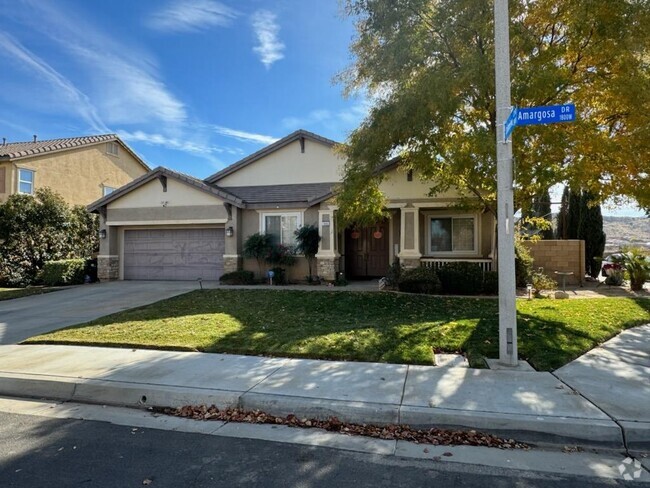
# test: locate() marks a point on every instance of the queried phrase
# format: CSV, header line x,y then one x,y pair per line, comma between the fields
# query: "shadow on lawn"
x,y
353,326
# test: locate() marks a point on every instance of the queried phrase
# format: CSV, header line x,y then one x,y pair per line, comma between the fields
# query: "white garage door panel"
x,y
173,254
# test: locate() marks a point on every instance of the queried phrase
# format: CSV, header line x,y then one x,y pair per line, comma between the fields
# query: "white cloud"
x,y
66,92
184,145
335,121
266,30
126,84
192,16
244,136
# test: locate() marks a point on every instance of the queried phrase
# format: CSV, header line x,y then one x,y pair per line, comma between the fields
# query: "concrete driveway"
x,y
22,318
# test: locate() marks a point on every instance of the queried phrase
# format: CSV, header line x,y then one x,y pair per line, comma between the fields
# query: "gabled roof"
x,y
272,195
294,136
12,151
158,172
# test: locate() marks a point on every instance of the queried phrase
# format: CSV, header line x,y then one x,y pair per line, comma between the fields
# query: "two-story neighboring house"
x,y
80,169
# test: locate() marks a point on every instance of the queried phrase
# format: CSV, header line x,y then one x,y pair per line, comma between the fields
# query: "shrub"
x,y
279,276
523,264
615,277
393,274
541,281
40,228
238,278
419,280
340,280
636,262
307,239
461,278
491,283
257,246
281,255
64,272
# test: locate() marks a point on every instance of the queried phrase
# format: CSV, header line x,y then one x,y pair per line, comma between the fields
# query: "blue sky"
x,y
193,85
190,84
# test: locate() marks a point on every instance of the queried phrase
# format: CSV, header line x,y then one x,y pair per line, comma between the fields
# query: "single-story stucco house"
x,y
166,225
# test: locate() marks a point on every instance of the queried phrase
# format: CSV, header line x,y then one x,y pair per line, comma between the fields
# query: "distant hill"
x,y
626,231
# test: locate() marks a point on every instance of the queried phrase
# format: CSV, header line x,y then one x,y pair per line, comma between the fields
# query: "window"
x,y
108,190
111,148
452,235
281,227
26,181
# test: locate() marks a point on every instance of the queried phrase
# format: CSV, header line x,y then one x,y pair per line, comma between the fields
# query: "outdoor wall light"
x,y
102,234
230,231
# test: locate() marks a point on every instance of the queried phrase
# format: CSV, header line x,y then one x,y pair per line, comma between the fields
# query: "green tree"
x,y
428,69
562,231
591,231
575,214
307,238
258,246
40,228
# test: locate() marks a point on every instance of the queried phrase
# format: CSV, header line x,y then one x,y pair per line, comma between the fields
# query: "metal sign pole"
x,y
505,199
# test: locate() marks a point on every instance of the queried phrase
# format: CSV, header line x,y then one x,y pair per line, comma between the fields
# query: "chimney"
x,y
34,137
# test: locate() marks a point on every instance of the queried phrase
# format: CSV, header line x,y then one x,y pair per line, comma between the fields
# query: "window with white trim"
x,y
112,148
282,227
453,234
26,181
107,190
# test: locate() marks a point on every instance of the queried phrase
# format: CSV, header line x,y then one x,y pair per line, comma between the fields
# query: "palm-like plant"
x,y
636,262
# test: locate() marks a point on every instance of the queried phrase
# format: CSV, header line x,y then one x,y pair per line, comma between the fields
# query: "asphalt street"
x,y
45,452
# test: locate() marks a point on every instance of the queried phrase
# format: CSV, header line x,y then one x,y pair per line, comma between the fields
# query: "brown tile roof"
x,y
18,150
306,193
294,136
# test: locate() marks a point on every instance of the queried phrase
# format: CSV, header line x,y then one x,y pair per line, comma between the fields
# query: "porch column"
x,y
232,259
328,255
409,254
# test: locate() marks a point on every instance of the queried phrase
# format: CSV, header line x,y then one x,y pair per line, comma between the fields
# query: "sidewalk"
x,y
530,406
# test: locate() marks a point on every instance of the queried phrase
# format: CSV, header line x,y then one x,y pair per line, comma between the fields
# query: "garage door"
x,y
173,254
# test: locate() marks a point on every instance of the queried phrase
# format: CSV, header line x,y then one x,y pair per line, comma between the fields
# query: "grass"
x,y
385,327
11,293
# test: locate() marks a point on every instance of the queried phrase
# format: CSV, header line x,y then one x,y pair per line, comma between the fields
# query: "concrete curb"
x,y
527,428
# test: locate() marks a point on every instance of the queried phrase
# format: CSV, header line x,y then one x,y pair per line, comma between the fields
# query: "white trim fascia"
x,y
333,207
232,256
432,204
115,223
395,205
327,255
108,255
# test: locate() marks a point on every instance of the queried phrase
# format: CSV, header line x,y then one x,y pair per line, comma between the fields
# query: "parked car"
x,y
611,262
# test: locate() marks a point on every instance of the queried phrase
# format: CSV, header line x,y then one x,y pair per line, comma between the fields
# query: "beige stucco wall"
x,y
9,179
250,224
178,194
318,164
554,255
80,174
396,187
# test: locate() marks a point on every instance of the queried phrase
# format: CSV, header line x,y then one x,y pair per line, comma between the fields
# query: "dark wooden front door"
x,y
366,251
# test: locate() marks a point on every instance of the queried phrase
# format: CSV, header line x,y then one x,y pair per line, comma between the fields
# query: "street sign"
x,y
510,124
550,114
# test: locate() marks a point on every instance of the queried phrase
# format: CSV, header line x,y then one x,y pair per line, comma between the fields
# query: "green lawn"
x,y
9,293
385,327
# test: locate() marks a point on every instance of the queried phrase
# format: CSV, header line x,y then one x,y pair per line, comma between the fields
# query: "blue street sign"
x,y
550,114
510,124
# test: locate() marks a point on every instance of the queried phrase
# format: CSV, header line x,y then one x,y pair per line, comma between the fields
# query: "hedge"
x,y
419,280
238,278
64,272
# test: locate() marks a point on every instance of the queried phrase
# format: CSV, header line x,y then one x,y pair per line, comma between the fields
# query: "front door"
x,y
366,251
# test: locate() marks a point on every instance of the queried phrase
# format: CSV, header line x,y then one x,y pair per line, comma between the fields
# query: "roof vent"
x,y
34,137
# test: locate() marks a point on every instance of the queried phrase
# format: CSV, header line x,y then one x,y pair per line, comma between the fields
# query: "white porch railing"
x,y
436,263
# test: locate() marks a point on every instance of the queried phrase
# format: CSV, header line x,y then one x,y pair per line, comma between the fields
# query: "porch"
x,y
429,234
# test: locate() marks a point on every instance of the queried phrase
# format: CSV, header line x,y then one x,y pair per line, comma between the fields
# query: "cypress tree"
x,y
543,210
591,231
561,231
574,216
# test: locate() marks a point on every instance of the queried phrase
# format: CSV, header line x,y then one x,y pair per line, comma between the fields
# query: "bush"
x,y
238,278
257,246
281,255
307,239
461,278
523,264
615,277
491,283
393,274
279,276
340,280
64,272
541,281
419,280
636,262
